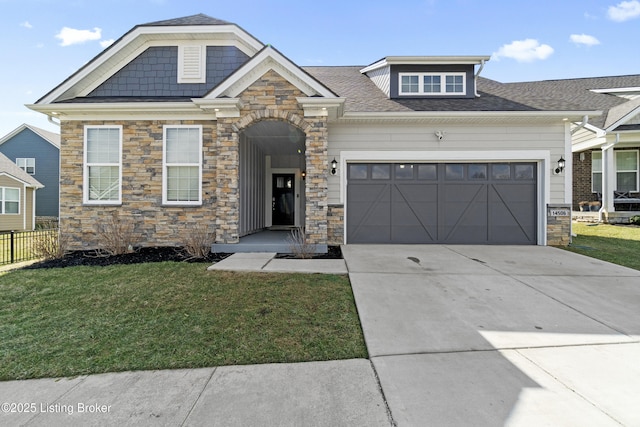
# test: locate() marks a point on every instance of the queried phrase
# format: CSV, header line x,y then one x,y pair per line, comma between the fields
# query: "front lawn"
x,y
84,320
619,244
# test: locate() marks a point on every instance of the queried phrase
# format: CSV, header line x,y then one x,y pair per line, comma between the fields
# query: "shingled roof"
x,y
199,19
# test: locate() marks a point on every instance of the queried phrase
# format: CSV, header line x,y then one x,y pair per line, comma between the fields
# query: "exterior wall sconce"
x,y
334,166
440,135
561,164
303,174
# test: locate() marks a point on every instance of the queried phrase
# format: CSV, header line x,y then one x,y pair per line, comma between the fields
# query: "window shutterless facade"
x,y
627,171
103,164
9,201
432,84
27,164
182,165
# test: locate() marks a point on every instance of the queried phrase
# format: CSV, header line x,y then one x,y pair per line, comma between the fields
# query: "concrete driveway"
x,y
500,335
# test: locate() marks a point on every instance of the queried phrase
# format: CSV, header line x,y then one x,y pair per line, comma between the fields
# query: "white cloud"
x,y
624,11
106,43
26,25
527,50
70,36
584,39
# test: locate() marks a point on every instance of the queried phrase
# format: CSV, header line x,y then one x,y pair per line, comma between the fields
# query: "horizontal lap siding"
x,y
377,137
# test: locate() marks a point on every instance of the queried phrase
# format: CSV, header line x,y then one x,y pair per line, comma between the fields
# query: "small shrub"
x,y
115,236
197,241
50,244
299,245
635,220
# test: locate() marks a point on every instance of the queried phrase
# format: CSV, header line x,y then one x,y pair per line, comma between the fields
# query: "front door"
x,y
283,202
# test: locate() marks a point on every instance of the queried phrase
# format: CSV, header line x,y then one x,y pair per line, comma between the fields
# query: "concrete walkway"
x,y
266,261
492,336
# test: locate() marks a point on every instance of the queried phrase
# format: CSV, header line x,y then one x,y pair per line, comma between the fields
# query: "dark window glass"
x,y
454,172
478,172
357,171
404,171
381,171
501,171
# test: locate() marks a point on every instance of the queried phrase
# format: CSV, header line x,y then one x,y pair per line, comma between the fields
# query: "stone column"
x,y
228,205
316,189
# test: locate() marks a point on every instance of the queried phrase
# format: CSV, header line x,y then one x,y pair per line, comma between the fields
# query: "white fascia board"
x,y
139,39
315,106
269,59
219,107
426,60
123,111
617,90
631,114
479,115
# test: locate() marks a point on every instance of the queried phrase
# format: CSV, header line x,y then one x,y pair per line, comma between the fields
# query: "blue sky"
x,y
45,41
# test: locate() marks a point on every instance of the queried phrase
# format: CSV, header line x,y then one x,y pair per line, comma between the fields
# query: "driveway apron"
x,y
499,335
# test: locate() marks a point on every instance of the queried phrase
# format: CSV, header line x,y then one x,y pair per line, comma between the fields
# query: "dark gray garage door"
x,y
472,203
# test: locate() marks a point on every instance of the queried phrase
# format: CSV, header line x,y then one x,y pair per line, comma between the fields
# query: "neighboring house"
x,y
37,152
605,147
192,122
17,197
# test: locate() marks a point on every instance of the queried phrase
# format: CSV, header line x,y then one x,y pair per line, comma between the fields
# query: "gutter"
x,y
475,78
52,121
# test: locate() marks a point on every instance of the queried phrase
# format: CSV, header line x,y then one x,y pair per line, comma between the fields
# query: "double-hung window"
x,y
9,200
627,170
432,84
27,164
102,164
182,175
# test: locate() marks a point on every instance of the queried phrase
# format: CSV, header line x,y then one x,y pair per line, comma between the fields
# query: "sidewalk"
x,y
344,392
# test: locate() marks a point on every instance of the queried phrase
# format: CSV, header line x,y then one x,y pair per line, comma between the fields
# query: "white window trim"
x,y
615,162
443,84
85,171
165,165
3,200
25,164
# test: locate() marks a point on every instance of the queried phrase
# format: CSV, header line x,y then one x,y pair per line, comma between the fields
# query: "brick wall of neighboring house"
x,y
335,225
582,179
153,224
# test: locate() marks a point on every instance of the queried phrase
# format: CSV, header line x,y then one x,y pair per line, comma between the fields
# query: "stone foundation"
x,y
558,225
335,225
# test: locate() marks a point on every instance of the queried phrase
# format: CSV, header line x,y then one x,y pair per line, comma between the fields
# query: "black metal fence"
x,y
18,246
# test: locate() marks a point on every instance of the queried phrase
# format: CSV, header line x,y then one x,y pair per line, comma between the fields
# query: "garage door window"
x,y
404,171
454,172
524,172
501,171
427,172
358,171
478,172
381,171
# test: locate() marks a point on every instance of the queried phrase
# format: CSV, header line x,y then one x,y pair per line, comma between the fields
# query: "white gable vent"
x,y
192,60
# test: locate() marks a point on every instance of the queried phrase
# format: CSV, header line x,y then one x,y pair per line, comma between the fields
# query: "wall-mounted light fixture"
x,y
303,174
440,135
561,164
334,166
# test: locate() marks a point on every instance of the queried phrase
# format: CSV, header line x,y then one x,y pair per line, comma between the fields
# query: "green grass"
x,y
618,244
84,320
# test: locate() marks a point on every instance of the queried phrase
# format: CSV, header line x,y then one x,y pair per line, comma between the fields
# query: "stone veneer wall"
x,y
559,226
271,97
335,225
153,223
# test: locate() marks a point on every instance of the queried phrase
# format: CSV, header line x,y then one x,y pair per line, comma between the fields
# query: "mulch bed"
x,y
155,254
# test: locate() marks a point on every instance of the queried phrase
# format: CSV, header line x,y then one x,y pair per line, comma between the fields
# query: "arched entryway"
x,y
271,176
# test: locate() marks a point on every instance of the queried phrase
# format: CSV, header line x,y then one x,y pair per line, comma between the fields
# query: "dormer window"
x,y
432,84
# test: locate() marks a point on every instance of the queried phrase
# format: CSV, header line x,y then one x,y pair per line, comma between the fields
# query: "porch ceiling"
x,y
276,138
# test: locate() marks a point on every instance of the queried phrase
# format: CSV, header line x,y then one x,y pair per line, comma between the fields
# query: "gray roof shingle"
x,y
199,19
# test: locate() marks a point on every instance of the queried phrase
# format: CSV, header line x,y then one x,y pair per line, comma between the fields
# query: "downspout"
x,y
475,78
585,121
605,181
52,121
